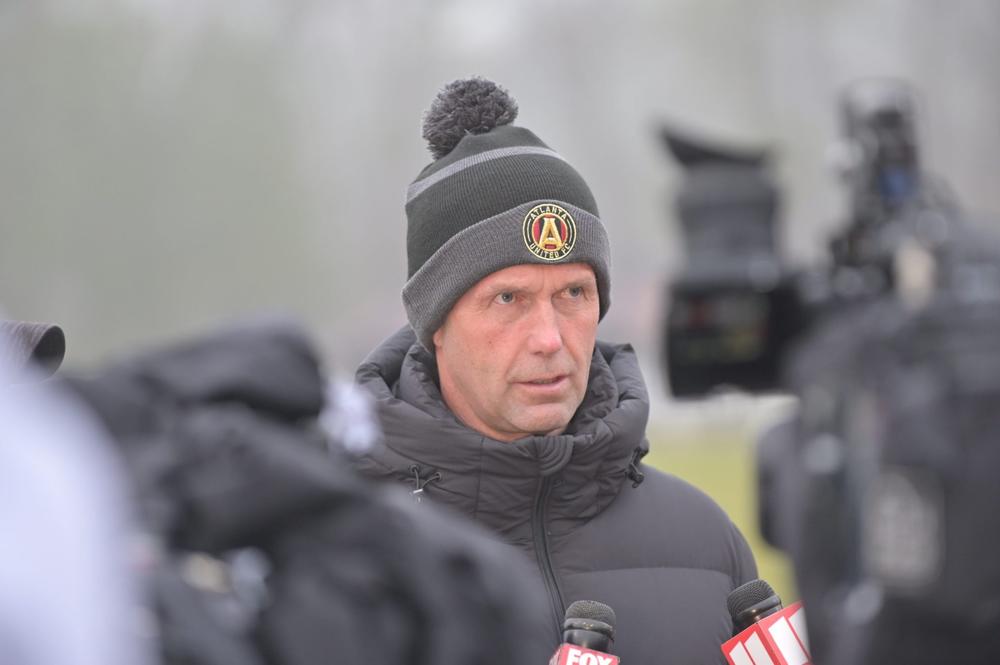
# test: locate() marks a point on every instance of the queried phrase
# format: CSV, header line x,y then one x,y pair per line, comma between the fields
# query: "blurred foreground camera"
x,y
882,488
257,541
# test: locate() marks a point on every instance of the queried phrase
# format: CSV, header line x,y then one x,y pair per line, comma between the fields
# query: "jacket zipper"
x,y
540,537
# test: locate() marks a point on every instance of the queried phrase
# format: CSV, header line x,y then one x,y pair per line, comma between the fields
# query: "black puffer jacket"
x,y
599,525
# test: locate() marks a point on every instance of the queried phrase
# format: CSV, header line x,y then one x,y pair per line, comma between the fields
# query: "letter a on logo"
x,y
550,238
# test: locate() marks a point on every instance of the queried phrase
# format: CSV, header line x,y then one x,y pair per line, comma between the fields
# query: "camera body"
x,y
736,308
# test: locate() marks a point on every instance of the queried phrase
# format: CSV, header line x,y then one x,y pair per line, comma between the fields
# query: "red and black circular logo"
x,y
549,231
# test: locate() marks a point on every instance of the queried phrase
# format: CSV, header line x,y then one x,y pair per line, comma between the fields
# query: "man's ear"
x,y
437,337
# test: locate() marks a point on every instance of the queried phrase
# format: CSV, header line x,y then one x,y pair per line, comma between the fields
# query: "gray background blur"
x,y
167,166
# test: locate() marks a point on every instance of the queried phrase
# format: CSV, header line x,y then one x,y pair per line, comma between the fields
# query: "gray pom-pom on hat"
x,y
467,106
468,210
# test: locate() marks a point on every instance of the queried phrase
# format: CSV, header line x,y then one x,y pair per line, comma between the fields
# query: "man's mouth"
x,y
546,382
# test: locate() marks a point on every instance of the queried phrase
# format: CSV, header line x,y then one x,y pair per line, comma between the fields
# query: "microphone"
x,y
40,344
588,633
751,602
765,632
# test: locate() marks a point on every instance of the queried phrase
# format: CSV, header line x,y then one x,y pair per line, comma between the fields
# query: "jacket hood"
x,y
494,481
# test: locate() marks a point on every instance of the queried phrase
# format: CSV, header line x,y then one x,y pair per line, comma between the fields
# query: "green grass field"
x,y
719,460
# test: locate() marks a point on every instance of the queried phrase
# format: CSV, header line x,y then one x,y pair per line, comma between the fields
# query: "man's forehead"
x,y
533,272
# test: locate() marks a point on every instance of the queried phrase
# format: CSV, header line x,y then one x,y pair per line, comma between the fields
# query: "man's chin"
x,y
547,423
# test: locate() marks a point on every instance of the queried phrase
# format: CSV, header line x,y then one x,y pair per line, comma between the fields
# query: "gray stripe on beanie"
x,y
418,188
491,245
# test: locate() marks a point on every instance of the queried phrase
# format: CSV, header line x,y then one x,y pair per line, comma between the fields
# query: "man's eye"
x,y
505,298
574,291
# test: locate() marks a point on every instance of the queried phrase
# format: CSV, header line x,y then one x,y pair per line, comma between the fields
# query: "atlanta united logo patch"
x,y
549,231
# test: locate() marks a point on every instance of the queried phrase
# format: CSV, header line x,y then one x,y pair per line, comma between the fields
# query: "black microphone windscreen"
x,y
746,596
591,609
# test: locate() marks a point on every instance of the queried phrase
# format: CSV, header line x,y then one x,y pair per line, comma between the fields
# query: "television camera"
x,y
881,487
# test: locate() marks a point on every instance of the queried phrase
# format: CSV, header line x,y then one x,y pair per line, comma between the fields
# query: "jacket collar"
x,y
496,481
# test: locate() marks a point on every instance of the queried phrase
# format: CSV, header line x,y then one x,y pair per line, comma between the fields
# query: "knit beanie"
x,y
495,196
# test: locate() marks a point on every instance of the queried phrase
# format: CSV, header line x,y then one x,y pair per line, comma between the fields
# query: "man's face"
x,y
514,353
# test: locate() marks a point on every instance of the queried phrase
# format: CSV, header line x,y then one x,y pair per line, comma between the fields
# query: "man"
x,y
498,401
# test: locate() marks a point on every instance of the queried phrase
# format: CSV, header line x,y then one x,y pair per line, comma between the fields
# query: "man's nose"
x,y
544,334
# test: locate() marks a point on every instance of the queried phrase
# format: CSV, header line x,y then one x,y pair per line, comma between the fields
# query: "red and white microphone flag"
x,y
569,654
777,639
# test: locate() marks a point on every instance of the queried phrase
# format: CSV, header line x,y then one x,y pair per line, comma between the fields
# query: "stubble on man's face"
x,y
514,352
